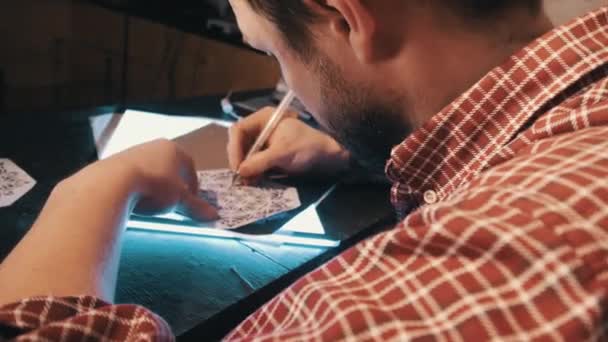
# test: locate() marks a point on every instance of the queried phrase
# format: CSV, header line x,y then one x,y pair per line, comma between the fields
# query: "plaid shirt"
x,y
508,239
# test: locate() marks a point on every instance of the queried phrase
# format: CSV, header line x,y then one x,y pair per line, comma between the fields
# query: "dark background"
x,y
73,54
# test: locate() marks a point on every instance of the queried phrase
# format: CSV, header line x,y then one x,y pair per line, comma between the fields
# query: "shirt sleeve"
x,y
80,318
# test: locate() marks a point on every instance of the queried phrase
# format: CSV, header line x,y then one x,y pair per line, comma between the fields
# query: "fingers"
x,y
197,209
235,147
243,134
188,171
262,162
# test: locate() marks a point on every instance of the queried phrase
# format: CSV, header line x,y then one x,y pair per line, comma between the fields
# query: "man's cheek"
x,y
299,79
305,94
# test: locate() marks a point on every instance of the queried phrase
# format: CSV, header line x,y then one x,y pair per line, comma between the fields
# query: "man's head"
x,y
373,70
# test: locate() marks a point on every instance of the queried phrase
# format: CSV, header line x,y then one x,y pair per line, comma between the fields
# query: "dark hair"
x,y
483,10
294,18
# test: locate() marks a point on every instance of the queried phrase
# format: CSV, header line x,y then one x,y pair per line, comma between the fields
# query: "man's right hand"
x,y
294,148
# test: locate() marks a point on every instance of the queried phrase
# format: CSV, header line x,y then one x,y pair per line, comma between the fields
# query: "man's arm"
x,y
74,246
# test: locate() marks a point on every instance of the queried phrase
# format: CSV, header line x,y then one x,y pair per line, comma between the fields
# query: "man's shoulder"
x,y
556,157
575,116
555,187
585,109
562,157
566,169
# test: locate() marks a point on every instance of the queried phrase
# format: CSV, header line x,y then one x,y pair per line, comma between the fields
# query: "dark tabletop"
x,y
189,281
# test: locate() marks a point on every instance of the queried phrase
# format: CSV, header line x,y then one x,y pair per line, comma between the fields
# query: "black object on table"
x,y
202,286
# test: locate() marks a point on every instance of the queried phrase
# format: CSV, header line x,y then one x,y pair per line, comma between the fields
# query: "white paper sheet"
x,y
114,133
241,205
14,183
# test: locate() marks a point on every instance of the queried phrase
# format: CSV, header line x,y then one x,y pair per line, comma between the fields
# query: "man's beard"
x,y
368,127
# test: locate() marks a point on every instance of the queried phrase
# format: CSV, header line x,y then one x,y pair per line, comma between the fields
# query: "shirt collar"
x,y
457,143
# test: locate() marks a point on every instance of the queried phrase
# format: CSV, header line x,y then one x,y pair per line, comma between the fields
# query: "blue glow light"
x,y
304,229
276,239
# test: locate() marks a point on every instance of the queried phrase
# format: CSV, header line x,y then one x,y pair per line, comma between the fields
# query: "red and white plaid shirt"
x,y
509,240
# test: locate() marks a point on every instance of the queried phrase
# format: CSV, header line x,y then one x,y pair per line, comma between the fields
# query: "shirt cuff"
x,y
80,317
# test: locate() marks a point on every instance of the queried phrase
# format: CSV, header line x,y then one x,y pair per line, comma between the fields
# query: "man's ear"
x,y
355,23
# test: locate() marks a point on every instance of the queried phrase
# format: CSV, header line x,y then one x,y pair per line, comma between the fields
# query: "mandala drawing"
x,y
14,182
240,205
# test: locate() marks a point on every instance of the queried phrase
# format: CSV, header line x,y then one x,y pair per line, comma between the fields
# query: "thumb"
x,y
261,162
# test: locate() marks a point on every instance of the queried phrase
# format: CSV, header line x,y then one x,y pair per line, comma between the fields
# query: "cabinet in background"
x,y
68,54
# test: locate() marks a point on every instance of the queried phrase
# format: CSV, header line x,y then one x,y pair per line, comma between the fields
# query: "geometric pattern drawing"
x,y
14,183
239,205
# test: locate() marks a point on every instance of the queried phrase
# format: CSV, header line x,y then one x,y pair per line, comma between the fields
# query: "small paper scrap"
x,y
241,205
14,183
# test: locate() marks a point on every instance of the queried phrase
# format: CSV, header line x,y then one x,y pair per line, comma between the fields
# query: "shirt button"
x,y
430,197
